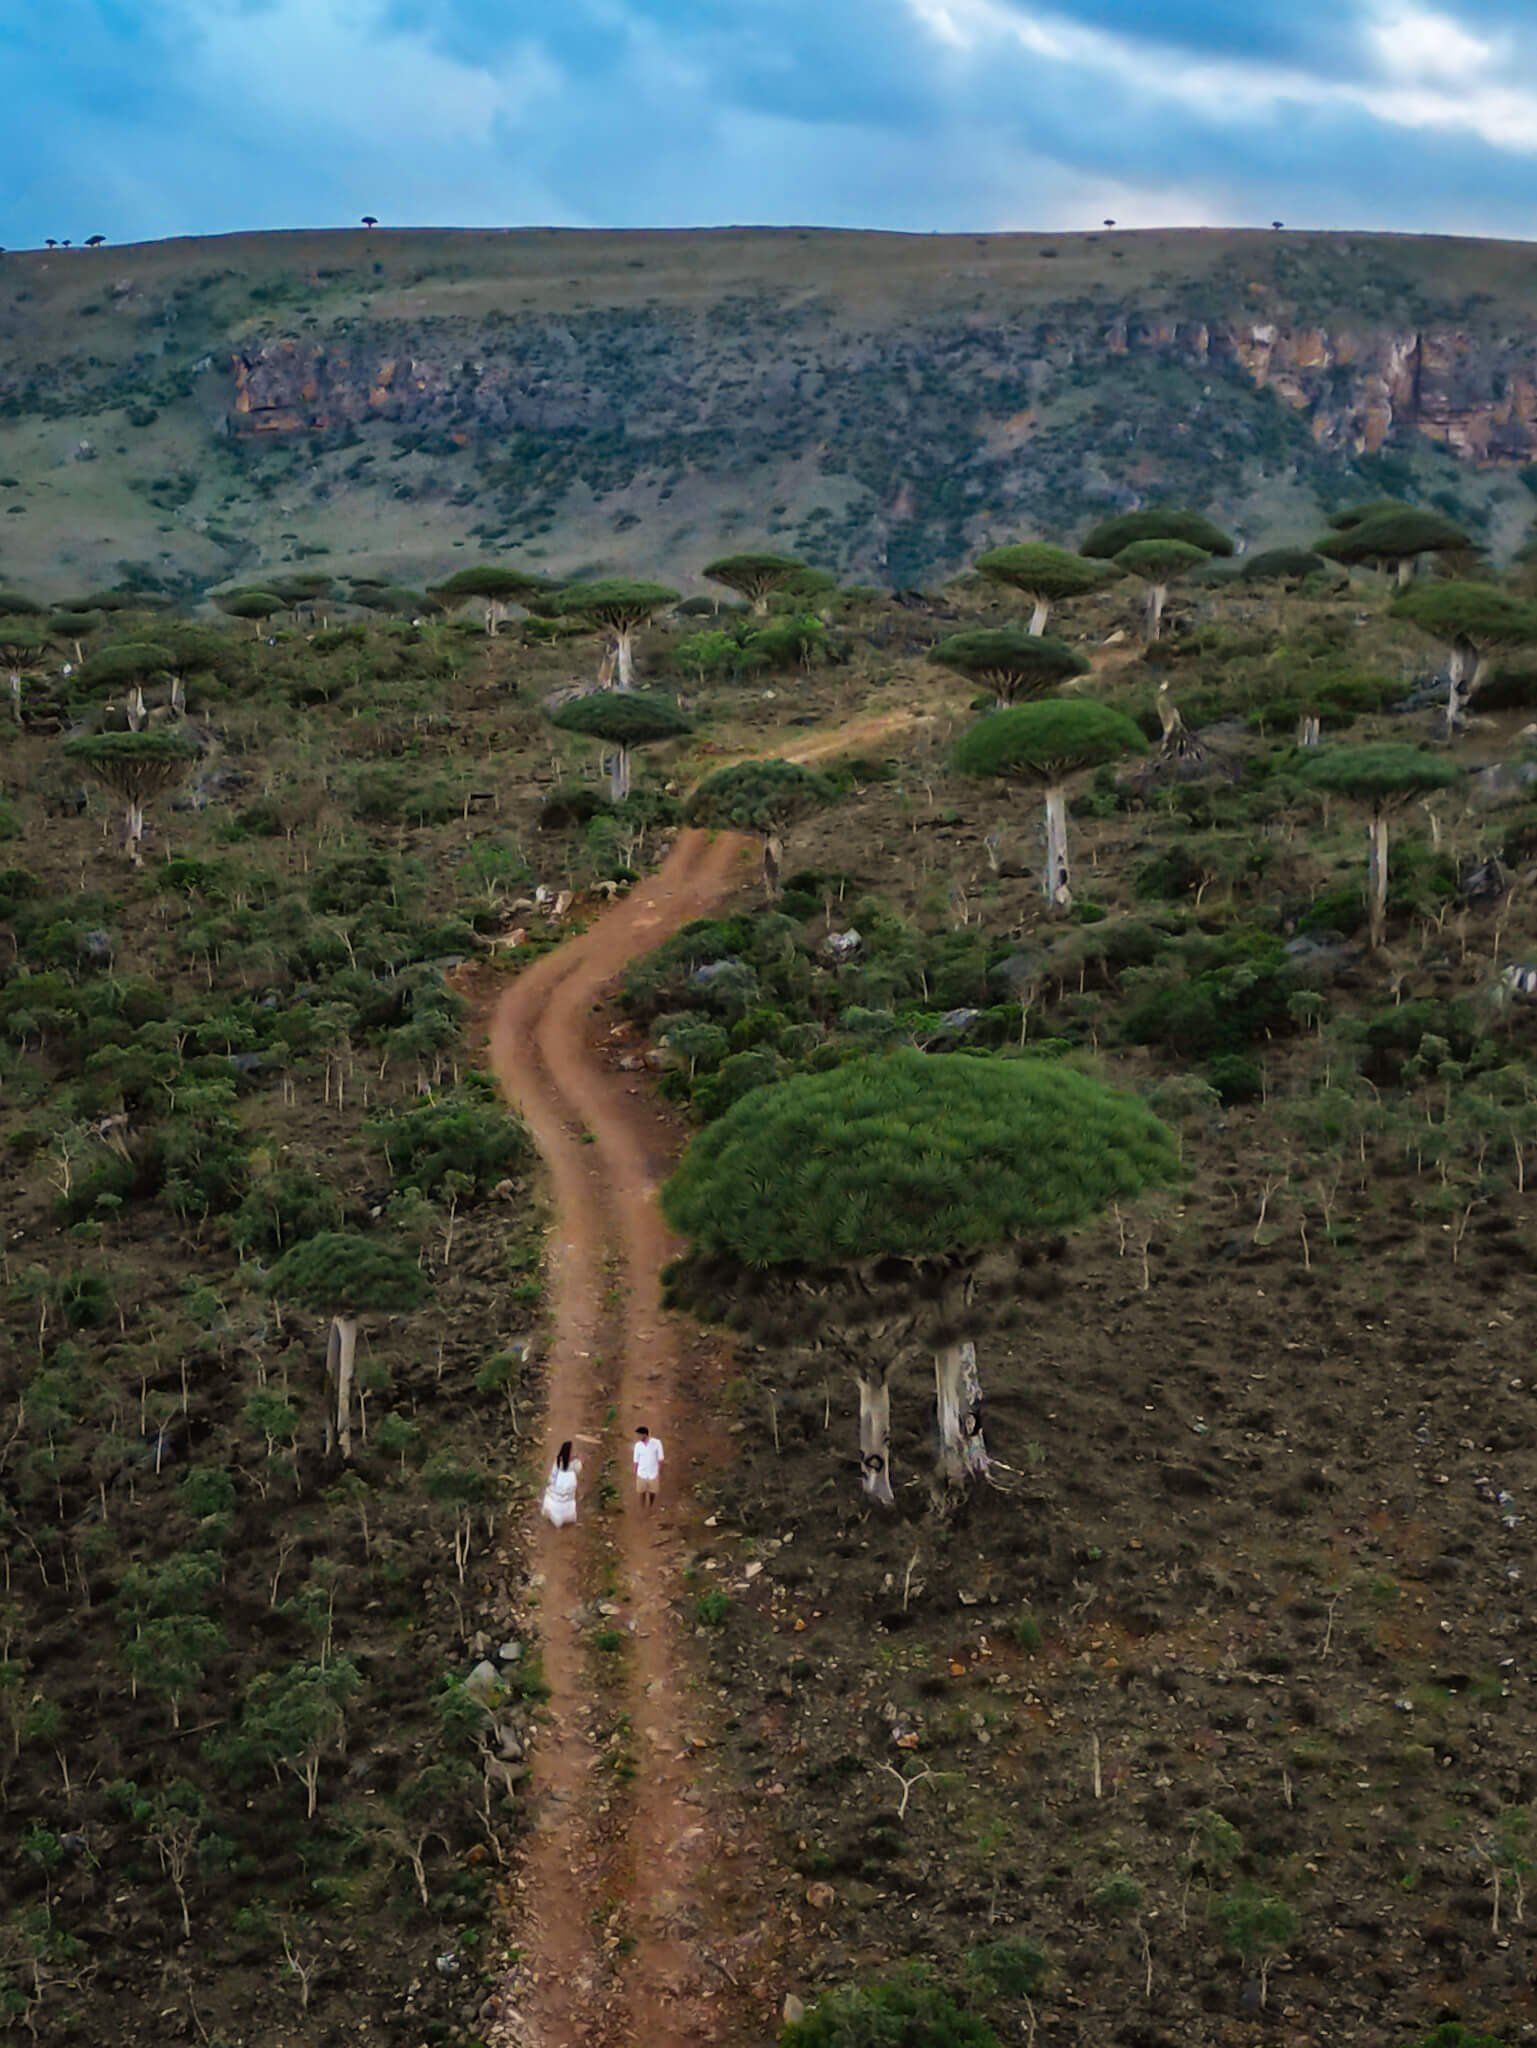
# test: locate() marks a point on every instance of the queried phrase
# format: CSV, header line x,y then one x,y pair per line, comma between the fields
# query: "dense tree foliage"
x,y
1012,664
625,719
1383,776
492,585
765,797
620,606
1113,536
1473,621
911,1156
1159,563
1043,573
1393,537
755,576
1046,743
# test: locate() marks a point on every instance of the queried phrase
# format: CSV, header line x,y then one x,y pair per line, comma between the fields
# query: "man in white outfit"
x,y
648,1455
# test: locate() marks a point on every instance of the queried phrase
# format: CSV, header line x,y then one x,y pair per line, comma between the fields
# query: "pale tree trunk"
x,y
1058,876
773,853
958,1403
1464,672
1377,880
494,614
136,834
1157,598
760,604
16,694
137,713
178,696
341,1347
1405,571
1309,729
875,1437
622,650
1040,615
619,775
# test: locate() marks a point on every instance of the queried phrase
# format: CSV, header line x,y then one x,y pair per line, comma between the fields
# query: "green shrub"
x,y
353,881
1236,993
184,877
1168,876
1341,911
466,1132
1010,1968
388,794
203,1152
1236,1077
735,1077
283,1209
1453,2034
568,804
909,2011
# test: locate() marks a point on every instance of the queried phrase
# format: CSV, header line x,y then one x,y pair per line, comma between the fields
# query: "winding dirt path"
x,y
617,1878
627,1898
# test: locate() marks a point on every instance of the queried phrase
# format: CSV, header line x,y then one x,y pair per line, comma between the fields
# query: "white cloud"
x,y
1420,69
1439,76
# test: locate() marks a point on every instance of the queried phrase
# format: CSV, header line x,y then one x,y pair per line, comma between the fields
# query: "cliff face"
x,y
1355,387
292,387
886,406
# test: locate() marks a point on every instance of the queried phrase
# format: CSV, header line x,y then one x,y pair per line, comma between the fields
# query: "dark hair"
x,y
563,1455
643,1431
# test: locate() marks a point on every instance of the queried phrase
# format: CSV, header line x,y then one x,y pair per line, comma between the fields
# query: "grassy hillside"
x,y
183,412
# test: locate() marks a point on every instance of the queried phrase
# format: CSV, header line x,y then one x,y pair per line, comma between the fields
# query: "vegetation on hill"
x,y
1202,1690
406,405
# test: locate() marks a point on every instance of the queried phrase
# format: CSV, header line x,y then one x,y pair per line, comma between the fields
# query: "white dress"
x,y
559,1504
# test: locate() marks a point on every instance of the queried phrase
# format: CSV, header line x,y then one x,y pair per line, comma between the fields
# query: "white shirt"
x,y
648,1458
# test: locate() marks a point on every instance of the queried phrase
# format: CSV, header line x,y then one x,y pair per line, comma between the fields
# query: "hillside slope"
x,y
884,404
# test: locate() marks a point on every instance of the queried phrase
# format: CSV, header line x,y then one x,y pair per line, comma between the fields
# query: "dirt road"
x,y
627,1925
618,1924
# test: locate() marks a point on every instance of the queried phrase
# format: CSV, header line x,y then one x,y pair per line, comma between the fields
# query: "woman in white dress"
x,y
559,1505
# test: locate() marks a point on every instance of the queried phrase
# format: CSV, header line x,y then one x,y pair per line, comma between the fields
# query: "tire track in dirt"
x,y
646,1847
604,1153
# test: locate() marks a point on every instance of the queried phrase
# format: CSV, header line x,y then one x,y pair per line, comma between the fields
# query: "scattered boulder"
x,y
951,1029
1503,783
711,972
1483,881
217,786
485,1685
1019,973
1320,956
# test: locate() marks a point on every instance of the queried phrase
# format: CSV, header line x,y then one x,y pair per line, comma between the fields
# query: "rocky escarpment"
x,y
885,405
291,387
1355,388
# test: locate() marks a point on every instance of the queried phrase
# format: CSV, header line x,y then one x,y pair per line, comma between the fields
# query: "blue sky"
x,y
142,118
